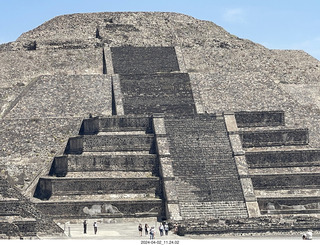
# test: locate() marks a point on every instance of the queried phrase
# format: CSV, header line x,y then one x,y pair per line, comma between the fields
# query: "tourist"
x,y
175,228
152,231
95,227
309,235
166,228
140,229
161,228
85,227
146,229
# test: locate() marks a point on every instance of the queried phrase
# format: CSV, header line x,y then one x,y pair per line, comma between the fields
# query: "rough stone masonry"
x,y
245,114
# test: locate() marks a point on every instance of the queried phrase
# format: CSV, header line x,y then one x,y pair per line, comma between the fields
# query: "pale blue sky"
x,y
278,24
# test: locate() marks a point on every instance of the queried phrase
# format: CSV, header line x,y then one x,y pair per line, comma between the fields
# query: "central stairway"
x,y
205,173
109,170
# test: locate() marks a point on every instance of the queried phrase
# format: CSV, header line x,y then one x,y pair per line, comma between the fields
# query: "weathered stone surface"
x,y
260,118
68,69
283,158
287,224
65,96
144,60
29,145
169,93
111,167
102,209
275,137
203,167
19,216
20,67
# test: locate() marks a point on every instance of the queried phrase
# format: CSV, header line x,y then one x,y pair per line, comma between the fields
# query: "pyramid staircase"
x,y
205,173
109,170
284,170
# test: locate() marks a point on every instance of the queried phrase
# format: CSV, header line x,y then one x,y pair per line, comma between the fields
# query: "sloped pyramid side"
x,y
18,215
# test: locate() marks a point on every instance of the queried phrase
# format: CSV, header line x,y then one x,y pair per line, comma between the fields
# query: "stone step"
x,y
49,186
297,193
283,181
275,225
282,148
260,118
103,197
17,226
262,138
259,158
116,153
10,207
17,218
98,143
203,164
104,161
84,209
117,123
198,210
128,132
262,128
290,212
109,174
284,171
295,202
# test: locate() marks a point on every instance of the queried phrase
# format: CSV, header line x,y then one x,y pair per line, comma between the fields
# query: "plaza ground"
x,y
127,229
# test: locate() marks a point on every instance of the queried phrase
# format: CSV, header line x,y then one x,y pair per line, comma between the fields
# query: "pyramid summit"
x,y
151,114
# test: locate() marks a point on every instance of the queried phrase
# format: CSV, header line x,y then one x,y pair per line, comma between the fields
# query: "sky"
x,y
276,24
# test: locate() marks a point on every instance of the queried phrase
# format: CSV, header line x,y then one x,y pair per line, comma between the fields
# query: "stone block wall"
x,y
283,158
260,118
102,209
144,60
274,137
18,229
126,123
110,143
286,181
157,93
112,163
84,186
10,207
250,226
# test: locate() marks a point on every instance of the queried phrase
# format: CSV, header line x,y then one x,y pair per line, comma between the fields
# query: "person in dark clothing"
x,y
166,228
146,229
140,229
95,227
85,227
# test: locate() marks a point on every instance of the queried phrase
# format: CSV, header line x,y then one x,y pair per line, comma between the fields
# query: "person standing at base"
x,y
146,229
140,229
161,229
85,227
166,228
95,227
152,231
